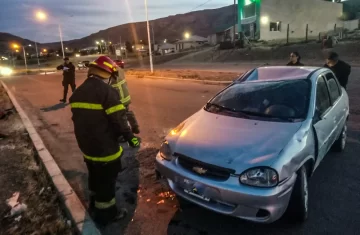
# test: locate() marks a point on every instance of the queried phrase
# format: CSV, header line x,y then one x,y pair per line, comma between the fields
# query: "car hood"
x,y
230,142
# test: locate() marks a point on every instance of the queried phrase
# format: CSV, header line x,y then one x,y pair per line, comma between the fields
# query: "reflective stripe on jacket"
x,y
99,119
120,85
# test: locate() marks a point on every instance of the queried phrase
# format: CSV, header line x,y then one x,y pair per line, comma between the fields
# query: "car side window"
x,y
322,96
334,88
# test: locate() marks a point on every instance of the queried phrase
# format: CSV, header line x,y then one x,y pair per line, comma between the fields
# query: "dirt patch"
x,y
19,172
186,74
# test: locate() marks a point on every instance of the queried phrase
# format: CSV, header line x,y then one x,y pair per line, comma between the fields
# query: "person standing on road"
x,y
99,120
341,69
295,59
68,77
118,81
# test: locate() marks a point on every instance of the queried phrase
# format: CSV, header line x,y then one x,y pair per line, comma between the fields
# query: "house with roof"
x,y
192,42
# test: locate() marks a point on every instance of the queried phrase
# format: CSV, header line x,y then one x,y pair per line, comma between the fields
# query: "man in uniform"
x,y
99,119
68,77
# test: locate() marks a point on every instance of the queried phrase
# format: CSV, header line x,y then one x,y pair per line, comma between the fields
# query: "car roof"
x,y
280,73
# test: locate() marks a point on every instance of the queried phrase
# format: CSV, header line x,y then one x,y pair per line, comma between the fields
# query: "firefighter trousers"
x,y
102,180
132,120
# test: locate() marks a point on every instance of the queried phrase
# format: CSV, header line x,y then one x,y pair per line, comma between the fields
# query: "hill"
x,y
6,39
201,23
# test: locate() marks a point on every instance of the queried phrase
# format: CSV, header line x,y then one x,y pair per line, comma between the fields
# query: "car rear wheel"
x,y
298,206
340,143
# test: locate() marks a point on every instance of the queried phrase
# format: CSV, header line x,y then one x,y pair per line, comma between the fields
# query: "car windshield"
x,y
277,100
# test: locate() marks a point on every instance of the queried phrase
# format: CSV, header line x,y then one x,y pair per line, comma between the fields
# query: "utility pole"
x,y
153,35
148,32
235,19
23,47
61,40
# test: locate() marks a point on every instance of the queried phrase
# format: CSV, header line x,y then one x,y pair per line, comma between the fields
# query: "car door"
x,y
323,120
338,109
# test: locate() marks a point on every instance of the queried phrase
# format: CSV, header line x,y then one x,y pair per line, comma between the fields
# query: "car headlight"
x,y
260,177
177,129
5,71
165,151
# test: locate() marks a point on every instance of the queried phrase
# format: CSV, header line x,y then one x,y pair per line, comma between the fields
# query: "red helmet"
x,y
105,63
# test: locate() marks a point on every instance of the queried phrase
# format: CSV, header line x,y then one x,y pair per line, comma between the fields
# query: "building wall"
x,y
351,24
187,45
318,14
212,39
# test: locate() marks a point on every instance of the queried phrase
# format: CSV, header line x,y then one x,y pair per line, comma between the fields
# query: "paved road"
x,y
160,105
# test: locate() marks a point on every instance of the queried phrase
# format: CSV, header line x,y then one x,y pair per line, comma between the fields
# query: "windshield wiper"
x,y
227,109
255,114
221,107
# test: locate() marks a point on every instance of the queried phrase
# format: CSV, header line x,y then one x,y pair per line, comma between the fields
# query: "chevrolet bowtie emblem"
x,y
199,170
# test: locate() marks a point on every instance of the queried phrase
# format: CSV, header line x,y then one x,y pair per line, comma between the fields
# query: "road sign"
x,y
118,52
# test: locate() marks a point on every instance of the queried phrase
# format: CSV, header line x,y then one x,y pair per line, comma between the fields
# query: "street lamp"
x,y
42,16
148,32
187,35
98,43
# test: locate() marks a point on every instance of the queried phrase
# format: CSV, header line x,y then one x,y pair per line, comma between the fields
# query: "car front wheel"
x,y
299,201
340,143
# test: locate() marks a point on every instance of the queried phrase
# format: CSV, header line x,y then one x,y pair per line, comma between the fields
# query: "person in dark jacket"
x,y
341,69
295,59
99,120
68,77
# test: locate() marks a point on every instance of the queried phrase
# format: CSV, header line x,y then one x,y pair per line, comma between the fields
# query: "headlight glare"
x,y
165,151
260,177
5,71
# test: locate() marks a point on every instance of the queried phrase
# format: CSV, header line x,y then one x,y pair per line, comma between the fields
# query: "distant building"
x,y
223,35
140,47
191,42
275,19
166,48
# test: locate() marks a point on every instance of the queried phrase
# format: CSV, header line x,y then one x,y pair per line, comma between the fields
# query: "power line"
x,y
201,5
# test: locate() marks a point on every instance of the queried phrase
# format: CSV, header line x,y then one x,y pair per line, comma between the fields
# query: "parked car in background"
x,y
250,151
120,63
83,64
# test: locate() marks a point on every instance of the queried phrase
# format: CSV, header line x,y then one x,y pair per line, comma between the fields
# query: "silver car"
x,y
250,151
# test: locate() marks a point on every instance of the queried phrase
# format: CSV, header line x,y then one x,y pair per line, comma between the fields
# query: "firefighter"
x,y
68,77
99,119
119,83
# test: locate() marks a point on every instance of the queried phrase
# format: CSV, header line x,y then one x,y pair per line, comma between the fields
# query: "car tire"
x,y
340,143
298,206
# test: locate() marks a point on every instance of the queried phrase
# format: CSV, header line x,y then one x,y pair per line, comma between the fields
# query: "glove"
x,y
134,142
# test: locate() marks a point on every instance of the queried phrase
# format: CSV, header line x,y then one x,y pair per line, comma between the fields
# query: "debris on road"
x,y
161,202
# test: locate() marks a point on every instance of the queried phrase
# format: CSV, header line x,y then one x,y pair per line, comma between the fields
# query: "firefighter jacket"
x,y
120,84
99,120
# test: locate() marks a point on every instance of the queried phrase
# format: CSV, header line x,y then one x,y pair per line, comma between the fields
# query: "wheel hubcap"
x,y
306,193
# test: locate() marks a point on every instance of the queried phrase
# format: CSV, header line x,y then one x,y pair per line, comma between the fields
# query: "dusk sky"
x,y
80,18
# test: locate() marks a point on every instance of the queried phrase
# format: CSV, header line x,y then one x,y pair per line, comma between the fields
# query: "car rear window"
x,y
272,99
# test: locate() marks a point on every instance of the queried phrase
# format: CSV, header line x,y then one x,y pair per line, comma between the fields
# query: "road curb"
x,y
208,82
74,208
